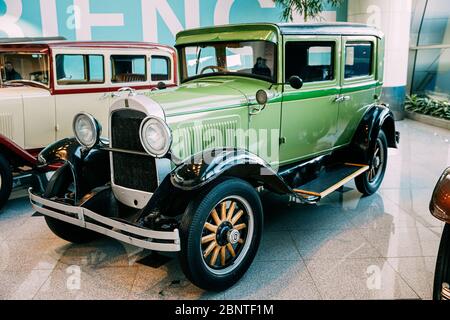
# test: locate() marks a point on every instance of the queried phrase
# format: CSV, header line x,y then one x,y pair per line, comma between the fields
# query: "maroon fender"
x,y
19,155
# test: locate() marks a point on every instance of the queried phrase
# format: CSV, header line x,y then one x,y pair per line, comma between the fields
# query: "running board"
x,y
330,180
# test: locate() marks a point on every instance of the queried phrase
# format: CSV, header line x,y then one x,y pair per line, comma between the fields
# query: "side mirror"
x,y
295,82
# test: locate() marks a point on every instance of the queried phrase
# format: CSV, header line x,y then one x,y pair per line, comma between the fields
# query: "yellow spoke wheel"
x,y
220,232
225,232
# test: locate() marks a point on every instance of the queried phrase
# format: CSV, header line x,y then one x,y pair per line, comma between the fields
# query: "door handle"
x,y
342,98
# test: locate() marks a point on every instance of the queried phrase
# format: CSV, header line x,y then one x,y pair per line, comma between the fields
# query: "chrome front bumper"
x,y
120,231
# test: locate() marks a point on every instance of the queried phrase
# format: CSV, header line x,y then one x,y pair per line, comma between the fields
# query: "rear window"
x,y
160,68
128,68
358,59
74,69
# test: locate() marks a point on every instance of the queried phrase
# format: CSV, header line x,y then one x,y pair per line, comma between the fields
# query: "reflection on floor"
x,y
347,247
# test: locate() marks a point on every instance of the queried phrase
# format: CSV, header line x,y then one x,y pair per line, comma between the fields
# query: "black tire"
x,y
58,186
442,271
369,182
193,226
6,180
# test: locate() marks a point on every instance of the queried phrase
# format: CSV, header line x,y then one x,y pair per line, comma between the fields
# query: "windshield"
x,y
247,58
24,66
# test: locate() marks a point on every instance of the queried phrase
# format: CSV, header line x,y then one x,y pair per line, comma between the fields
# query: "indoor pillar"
x,y
393,18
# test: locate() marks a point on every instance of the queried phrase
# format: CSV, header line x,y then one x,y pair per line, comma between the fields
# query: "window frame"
x,y
311,44
183,70
169,67
372,56
88,82
146,68
315,85
374,63
20,52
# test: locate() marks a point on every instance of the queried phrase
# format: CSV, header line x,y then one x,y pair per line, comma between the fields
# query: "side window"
x,y
160,68
311,61
96,68
358,59
79,69
128,68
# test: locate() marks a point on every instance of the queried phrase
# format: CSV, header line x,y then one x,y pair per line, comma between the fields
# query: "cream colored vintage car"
x,y
44,83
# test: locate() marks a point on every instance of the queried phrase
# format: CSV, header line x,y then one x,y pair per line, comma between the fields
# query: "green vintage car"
x,y
293,109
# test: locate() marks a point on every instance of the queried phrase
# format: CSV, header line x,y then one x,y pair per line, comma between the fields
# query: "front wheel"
x,y
441,288
369,182
6,180
220,234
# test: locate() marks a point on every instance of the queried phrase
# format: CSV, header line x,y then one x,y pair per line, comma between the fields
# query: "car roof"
x,y
53,44
334,28
329,28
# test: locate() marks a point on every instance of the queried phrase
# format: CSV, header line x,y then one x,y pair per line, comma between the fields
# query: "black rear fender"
x,y
376,118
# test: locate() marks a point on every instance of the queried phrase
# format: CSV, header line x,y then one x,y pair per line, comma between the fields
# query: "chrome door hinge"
x,y
282,140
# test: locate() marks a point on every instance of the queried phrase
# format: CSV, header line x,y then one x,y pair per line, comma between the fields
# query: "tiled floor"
x,y
347,247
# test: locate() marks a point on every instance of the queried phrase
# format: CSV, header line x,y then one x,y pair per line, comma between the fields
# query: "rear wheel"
x,y
60,184
441,288
369,182
6,180
220,234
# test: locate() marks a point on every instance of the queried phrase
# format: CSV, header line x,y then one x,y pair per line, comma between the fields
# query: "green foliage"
x,y
428,106
307,8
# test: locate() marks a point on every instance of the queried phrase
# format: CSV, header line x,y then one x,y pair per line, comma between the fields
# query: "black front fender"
x,y
205,167
90,168
200,172
63,150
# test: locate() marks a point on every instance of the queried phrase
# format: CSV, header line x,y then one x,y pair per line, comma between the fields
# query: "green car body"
x,y
310,122
293,109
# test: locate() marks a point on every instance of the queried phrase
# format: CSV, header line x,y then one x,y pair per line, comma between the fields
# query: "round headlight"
x,y
156,137
86,129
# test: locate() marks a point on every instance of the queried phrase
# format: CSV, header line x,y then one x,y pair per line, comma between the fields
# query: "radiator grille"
x,y
6,124
136,172
132,171
125,130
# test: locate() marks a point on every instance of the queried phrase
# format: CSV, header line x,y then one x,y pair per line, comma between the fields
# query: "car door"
x,y
80,85
359,83
309,115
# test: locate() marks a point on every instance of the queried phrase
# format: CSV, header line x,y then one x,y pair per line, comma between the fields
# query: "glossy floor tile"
x,y
347,247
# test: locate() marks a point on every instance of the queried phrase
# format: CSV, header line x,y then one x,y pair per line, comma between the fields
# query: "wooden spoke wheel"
x,y
225,233
220,234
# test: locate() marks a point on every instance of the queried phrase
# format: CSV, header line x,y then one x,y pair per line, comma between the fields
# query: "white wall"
x,y
393,17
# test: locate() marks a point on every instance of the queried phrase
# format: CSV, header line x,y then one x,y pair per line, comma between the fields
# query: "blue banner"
x,y
139,20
